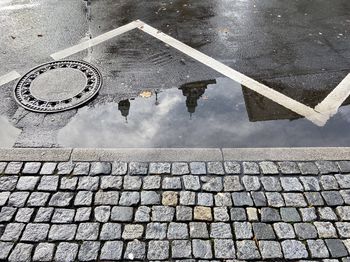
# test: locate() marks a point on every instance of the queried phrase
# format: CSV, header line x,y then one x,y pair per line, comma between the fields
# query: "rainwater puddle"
x,y
213,113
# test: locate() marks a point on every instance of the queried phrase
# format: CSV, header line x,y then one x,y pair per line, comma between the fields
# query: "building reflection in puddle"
x,y
221,115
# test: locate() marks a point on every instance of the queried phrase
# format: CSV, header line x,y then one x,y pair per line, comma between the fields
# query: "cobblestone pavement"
x,y
175,211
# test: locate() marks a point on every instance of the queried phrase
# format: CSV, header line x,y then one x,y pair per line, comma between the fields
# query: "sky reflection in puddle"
x,y
199,115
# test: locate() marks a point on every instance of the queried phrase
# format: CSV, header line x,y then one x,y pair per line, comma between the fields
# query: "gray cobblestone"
x,y
89,251
7,213
344,166
112,250
129,198
242,199
327,213
202,249
62,232
343,213
21,252
271,183
119,168
198,230
179,168
310,183
44,214
61,199
8,183
81,169
221,214
343,229
212,184
12,232
65,168
288,168
83,198
238,214
135,250
2,167
159,168
247,249
88,183
111,231
308,168
18,199
48,168
142,214
223,199
158,250
171,183
294,249
184,213
35,232
325,230
151,182
232,183
191,182
24,214
263,231
327,167
224,248
251,183
31,168
63,215
274,199
162,213
314,198
333,198
132,182
305,231
308,214
270,215
48,183
122,214
27,182
270,249
13,168
66,252
100,168
259,199
181,249
336,248
205,199
318,248
111,182
4,197
215,168
344,193
250,168
87,231
343,181
102,213
44,252
232,168
68,183
150,198
156,230
268,168
284,230
294,199
290,214
243,230
138,168
82,214
177,231
291,184
198,168
107,198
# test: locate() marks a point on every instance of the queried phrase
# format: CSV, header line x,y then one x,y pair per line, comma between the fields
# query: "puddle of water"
x,y
8,133
202,114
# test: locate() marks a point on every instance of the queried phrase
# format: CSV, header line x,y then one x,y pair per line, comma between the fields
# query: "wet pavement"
x,y
299,48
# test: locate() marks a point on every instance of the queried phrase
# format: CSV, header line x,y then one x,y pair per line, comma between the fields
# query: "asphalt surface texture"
x,y
299,48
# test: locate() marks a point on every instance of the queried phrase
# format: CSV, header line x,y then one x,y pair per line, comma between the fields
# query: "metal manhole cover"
x,y
58,86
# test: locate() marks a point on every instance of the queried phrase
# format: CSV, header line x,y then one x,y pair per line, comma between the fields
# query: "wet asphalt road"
x,y
300,48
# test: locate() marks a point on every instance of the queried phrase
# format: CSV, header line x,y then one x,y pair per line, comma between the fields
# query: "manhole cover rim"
x,y
91,95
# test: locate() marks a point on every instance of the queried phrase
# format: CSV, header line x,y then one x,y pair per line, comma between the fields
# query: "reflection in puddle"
x,y
8,133
202,114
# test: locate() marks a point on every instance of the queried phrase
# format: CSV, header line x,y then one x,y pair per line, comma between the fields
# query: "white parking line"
x,y
95,41
318,116
244,80
9,77
330,105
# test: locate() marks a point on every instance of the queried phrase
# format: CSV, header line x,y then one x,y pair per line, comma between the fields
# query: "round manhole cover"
x,y
58,86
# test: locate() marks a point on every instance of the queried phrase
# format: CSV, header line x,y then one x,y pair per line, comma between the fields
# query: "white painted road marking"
x,y
13,75
95,41
330,105
318,116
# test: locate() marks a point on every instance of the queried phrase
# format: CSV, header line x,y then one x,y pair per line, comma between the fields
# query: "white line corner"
x,y
13,75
